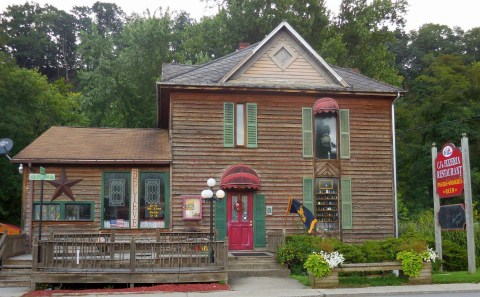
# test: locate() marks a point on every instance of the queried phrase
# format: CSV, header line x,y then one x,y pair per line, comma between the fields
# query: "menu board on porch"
x,y
192,208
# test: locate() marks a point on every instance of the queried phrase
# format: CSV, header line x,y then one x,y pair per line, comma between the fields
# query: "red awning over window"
x,y
240,177
325,105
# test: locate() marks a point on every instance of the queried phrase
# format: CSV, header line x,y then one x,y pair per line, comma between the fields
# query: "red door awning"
x,y
240,177
325,105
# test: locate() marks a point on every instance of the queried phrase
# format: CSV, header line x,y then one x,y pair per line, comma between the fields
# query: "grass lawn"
x,y
359,281
355,281
456,277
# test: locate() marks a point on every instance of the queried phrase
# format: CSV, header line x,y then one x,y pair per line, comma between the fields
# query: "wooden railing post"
x,y
35,253
133,248
225,255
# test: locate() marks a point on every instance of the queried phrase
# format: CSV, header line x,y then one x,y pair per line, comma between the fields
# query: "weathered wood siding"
x,y
370,168
198,153
303,69
89,189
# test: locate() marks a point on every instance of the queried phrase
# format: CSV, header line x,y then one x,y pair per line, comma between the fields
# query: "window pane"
x,y
326,136
116,203
50,212
245,208
235,206
78,212
240,125
152,200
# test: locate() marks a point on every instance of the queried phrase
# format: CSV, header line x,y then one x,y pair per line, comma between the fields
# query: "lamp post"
x,y
208,195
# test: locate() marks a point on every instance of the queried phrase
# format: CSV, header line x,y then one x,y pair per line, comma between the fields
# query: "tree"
x,y
30,105
445,102
115,92
361,37
40,37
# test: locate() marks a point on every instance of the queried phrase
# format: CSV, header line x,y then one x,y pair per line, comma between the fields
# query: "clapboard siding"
x,y
88,190
303,68
198,153
370,168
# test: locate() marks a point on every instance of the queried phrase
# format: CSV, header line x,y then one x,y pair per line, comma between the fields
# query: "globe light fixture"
x,y
208,195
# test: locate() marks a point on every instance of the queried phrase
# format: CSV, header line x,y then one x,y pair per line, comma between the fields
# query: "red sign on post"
x,y
449,172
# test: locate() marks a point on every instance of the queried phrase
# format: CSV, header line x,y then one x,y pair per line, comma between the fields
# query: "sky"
x,y
462,13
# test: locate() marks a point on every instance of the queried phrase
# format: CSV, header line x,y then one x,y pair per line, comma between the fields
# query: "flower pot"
x,y
330,281
425,276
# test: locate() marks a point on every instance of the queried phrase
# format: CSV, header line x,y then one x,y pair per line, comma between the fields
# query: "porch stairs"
x,y
16,271
255,264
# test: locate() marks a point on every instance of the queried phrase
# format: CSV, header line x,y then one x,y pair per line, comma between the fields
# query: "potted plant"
x,y
319,267
418,265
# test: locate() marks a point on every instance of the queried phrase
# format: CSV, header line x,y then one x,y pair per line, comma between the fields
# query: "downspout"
x,y
395,192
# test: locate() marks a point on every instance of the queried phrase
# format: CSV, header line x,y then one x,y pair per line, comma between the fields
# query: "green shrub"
x,y
455,256
351,252
296,251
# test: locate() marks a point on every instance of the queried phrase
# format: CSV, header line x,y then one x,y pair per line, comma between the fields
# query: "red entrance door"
x,y
240,221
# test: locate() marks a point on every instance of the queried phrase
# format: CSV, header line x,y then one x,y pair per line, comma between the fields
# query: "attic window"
x,y
283,54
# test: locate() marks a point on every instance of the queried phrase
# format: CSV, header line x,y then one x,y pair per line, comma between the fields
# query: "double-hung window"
x,y
240,125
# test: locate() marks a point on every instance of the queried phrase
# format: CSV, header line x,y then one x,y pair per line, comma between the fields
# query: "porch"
x,y
173,257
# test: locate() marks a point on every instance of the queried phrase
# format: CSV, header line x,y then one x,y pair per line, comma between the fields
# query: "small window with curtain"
x,y
50,212
240,125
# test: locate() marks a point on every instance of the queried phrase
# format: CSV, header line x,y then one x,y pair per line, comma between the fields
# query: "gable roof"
x,y
72,145
220,72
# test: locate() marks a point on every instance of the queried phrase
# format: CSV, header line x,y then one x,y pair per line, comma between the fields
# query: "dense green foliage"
x,y
111,62
413,244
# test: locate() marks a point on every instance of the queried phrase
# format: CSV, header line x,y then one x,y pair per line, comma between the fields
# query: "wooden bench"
x,y
331,281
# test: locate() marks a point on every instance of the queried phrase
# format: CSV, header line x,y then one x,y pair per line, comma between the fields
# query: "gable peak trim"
x,y
300,39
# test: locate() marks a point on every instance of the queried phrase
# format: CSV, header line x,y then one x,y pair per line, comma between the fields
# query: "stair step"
x,y
17,262
254,266
258,273
15,284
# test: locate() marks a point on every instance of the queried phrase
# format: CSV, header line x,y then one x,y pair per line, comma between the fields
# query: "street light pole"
x,y
208,195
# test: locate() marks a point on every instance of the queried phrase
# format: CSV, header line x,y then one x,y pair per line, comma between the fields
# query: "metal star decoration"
x,y
63,186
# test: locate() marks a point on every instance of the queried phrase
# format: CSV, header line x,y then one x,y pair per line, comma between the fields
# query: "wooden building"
x,y
267,122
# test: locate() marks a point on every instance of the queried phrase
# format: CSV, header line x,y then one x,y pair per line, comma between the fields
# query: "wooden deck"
x,y
178,258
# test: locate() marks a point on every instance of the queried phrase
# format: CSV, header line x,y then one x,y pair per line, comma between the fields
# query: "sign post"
x,y
468,205
451,178
42,176
436,207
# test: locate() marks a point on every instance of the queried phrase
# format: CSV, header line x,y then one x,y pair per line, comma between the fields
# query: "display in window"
x,y
326,203
152,200
326,136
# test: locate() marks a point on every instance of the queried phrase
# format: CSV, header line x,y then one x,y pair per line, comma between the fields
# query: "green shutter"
x,y
344,134
252,125
228,124
221,219
307,132
259,224
167,200
346,190
308,194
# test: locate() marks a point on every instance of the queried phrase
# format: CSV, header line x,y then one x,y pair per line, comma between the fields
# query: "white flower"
x,y
432,255
333,259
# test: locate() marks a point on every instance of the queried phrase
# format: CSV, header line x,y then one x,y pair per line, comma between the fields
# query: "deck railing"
x,y
275,240
12,245
97,254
